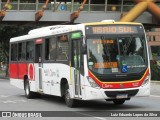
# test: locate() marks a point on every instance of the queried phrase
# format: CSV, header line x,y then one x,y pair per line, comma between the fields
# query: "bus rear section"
x,y
117,62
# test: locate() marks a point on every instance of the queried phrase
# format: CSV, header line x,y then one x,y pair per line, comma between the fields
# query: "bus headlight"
x,y
145,81
92,83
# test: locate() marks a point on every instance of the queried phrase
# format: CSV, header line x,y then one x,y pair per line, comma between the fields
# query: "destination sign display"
x,y
102,42
106,65
115,29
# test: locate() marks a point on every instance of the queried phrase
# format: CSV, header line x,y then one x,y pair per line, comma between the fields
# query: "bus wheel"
x,y
69,102
118,102
28,93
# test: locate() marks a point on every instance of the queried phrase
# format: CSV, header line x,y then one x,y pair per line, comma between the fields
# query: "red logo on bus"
x,y
31,71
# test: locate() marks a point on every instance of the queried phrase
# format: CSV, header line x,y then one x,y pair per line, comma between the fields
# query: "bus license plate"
x,y
120,96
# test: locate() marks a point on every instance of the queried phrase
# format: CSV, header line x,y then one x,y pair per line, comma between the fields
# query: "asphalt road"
x,y
13,99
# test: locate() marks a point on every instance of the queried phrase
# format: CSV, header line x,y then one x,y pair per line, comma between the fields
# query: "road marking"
x,y
3,96
100,118
20,100
9,101
12,101
154,96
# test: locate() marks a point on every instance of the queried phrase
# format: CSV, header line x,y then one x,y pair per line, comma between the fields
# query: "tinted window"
x,y
50,49
29,50
19,51
14,52
111,54
62,47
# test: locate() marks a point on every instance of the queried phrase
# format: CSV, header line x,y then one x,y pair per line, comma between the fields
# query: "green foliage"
x,y
155,72
6,33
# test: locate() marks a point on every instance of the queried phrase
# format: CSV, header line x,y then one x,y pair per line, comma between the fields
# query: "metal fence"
x,y
22,5
69,6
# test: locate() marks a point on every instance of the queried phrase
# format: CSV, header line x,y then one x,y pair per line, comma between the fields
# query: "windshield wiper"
x,y
126,46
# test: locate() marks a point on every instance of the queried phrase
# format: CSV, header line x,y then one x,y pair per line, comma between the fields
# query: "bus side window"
x,y
62,47
21,51
23,56
14,52
47,49
29,50
50,49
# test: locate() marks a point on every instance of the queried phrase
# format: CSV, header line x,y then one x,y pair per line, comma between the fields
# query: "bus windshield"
x,y
116,54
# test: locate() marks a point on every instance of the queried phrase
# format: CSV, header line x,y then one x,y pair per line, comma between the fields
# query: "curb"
x,y
2,78
155,82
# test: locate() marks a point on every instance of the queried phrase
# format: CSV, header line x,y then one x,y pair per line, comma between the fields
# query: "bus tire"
x,y
28,93
68,100
118,102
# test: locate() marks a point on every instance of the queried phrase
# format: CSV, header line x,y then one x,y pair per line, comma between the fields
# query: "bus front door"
x,y
76,65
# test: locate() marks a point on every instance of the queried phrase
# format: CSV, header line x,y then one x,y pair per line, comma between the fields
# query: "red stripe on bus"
x,y
119,85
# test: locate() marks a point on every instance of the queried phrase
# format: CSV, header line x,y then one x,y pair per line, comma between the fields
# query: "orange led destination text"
x,y
106,65
102,41
113,29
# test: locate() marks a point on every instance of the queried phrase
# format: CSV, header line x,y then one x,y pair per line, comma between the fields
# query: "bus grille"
x,y
113,94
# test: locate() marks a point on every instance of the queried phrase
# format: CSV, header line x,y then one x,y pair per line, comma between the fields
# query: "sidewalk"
x,y
155,88
155,82
2,76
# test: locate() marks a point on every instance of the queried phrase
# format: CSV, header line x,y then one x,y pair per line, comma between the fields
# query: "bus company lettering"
x,y
105,85
49,72
135,84
113,29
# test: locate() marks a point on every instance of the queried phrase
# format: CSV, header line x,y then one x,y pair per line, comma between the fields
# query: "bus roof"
x,y
112,22
59,29
47,31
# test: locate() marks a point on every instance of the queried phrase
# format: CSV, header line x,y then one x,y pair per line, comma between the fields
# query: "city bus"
x,y
90,61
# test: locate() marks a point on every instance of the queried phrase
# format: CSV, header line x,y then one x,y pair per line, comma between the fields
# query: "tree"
x,y
6,33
